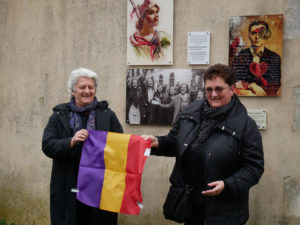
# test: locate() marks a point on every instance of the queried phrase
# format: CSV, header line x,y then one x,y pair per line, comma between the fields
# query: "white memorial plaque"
x,y
198,47
259,116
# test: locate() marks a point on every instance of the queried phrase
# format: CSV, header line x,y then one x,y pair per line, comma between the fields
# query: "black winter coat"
x,y
56,145
233,153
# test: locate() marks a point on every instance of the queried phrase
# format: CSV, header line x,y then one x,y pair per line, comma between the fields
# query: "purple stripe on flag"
x,y
92,168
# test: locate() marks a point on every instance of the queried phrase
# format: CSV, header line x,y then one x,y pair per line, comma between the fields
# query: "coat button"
x,y
209,154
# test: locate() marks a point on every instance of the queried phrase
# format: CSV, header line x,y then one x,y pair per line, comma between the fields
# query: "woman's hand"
x,y
218,187
154,140
79,136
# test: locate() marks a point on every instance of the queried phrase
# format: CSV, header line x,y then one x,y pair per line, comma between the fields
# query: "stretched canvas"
x,y
255,53
150,32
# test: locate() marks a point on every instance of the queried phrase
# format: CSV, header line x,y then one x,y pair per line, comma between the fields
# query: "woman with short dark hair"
x,y
219,153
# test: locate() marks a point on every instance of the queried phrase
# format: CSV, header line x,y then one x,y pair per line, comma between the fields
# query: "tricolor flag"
x,y
110,171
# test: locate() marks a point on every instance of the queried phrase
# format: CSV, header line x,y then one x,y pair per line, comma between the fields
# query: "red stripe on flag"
x,y
134,168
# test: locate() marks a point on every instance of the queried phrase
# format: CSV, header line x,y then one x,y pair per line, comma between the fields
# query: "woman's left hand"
x,y
217,188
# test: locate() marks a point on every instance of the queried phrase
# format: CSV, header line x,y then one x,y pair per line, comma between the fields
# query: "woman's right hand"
x,y
154,140
79,136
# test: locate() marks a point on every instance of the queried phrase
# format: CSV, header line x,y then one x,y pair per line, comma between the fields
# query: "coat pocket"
x,y
178,204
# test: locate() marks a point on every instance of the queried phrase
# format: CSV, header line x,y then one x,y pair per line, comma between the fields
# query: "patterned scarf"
x,y
210,117
75,119
154,45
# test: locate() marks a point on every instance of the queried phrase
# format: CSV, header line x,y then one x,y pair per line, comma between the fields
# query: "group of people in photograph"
x,y
153,102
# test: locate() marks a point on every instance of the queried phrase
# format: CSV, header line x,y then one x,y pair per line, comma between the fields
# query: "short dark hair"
x,y
268,32
220,70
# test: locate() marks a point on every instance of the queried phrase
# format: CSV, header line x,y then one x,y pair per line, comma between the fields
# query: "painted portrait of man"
x,y
256,63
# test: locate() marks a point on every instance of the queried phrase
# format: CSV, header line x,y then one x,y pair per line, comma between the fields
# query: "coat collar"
x,y
234,123
62,111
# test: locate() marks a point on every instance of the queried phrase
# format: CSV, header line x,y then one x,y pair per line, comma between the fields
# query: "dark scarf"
x,y
75,119
210,117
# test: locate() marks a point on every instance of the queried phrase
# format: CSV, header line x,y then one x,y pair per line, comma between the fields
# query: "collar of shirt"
x,y
256,55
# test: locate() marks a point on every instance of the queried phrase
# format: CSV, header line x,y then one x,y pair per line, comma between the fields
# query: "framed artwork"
x,y
155,96
149,32
255,52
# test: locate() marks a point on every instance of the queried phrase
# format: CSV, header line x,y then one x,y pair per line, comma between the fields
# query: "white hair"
x,y
80,72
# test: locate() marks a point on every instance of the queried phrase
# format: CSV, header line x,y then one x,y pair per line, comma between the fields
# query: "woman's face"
x,y
134,83
172,91
150,82
84,93
217,91
183,89
199,95
152,17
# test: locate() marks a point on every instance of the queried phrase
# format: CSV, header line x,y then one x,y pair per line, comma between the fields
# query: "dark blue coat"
x,y
56,145
233,153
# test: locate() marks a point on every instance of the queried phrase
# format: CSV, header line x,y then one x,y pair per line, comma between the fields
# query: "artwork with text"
x,y
255,54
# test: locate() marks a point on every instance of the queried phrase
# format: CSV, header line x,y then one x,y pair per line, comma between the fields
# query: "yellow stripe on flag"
x,y
115,158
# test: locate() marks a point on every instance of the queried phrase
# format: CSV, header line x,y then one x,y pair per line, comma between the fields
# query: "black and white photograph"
x,y
155,96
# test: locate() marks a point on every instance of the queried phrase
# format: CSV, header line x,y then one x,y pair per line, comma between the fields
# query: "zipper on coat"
x,y
207,161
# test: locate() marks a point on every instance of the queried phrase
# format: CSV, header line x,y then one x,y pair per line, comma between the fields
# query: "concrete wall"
x,y
42,41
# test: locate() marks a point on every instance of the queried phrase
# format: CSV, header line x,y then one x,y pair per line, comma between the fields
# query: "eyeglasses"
x,y
218,90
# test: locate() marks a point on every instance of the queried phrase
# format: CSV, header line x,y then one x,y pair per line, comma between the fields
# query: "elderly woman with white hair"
x,y
63,138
